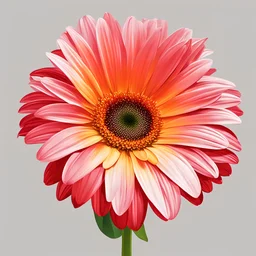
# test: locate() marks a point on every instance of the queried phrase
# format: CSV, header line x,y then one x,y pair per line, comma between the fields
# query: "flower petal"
x,y
64,112
138,209
43,132
197,96
191,74
38,96
81,164
89,57
53,171
141,154
178,169
151,157
200,161
202,116
111,158
67,141
79,66
144,63
181,35
162,192
50,72
119,221
226,100
194,136
224,169
124,175
222,156
64,91
112,52
164,67
63,191
86,187
134,37
231,137
74,77
99,203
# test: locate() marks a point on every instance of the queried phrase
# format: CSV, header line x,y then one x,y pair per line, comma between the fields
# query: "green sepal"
x,y
107,227
141,234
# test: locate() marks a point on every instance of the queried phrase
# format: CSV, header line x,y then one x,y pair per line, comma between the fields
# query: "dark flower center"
x,y
128,120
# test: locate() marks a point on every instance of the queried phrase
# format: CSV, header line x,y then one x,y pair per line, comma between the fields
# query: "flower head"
x,y
131,117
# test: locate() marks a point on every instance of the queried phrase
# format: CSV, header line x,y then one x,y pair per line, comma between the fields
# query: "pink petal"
x,y
236,110
222,156
144,63
81,164
51,72
86,187
43,132
200,161
66,142
112,52
138,209
165,66
203,116
74,77
197,96
32,107
63,191
64,91
162,192
194,136
64,112
36,84
125,192
87,27
91,59
216,81
80,68
178,169
231,137
116,176
99,203
134,37
226,100
197,48
181,35
28,119
38,96
29,122
186,78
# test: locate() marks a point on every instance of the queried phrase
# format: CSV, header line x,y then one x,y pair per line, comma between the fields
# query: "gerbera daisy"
x,y
131,117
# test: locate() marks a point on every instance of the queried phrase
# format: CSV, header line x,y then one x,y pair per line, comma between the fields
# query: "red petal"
x,y
195,201
119,221
63,191
53,171
224,169
138,209
99,203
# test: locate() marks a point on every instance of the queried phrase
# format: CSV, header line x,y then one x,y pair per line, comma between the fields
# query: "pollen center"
x,y
127,121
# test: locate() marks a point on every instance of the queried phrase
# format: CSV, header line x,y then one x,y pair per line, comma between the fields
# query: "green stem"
x,y
127,242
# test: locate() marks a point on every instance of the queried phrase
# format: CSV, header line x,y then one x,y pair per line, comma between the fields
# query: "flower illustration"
x,y
130,118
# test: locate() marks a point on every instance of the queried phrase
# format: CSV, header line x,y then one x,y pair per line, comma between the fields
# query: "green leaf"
x,y
107,227
141,234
